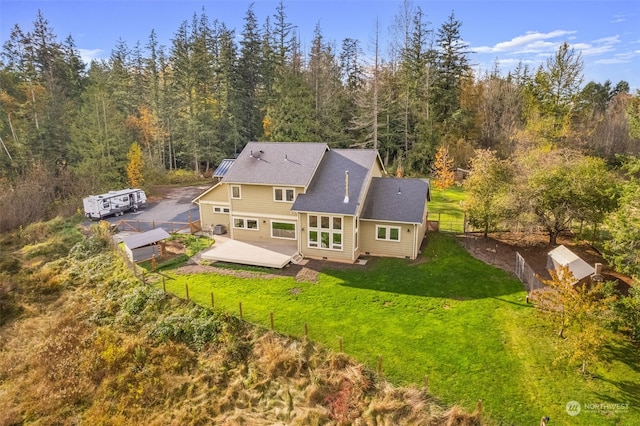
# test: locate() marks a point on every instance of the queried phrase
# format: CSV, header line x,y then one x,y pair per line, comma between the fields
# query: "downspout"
x,y
300,236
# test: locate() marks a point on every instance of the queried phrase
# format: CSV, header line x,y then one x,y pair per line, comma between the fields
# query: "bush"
x,y
87,248
194,328
180,177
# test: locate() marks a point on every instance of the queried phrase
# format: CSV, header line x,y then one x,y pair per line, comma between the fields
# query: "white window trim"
x,y
222,209
239,197
319,229
245,220
295,229
284,194
388,233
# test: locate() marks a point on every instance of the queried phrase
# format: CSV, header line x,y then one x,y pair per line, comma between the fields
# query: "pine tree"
x,y
451,68
250,65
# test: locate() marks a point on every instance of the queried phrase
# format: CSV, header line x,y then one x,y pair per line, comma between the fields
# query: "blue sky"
x,y
604,32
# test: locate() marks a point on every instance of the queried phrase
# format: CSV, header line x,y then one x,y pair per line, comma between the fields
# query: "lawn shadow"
x,y
625,353
461,278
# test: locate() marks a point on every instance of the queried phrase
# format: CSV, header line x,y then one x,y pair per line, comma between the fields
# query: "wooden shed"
x,y
144,246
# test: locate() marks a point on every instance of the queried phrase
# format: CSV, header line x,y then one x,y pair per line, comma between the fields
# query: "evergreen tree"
x,y
250,66
451,68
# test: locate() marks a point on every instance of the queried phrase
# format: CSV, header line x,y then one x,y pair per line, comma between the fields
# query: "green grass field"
x,y
461,322
445,208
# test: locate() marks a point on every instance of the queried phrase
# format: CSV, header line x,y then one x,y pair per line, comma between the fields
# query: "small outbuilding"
x,y
144,246
562,256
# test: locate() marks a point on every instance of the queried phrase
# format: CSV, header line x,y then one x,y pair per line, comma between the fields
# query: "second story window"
x,y
235,192
284,195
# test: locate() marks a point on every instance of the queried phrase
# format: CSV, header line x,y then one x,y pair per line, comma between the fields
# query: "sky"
x,y
507,32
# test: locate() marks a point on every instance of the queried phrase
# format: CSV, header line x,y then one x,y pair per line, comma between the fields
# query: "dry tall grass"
x,y
87,354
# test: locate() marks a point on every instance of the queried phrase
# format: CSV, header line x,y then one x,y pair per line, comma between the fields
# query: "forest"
x,y
68,128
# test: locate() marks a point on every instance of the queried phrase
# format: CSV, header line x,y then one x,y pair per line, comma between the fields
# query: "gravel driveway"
x,y
173,204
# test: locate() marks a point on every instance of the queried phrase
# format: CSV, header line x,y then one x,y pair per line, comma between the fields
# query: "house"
x,y
332,204
143,246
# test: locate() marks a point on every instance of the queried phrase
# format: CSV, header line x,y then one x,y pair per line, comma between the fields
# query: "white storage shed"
x,y
562,256
144,246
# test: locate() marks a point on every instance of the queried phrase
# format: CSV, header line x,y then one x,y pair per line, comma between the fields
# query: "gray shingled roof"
x,y
276,163
327,190
396,200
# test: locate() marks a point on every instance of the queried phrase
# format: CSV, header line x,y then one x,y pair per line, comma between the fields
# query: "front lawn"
x,y
450,316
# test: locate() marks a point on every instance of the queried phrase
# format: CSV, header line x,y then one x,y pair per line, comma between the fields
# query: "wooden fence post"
x,y
240,306
186,288
379,364
212,301
426,383
306,330
340,340
164,285
271,318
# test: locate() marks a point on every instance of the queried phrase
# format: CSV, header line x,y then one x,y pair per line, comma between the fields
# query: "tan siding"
x,y
369,243
217,196
209,219
263,233
258,200
377,170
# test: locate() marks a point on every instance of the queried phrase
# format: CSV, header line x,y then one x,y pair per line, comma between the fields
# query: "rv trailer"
x,y
113,203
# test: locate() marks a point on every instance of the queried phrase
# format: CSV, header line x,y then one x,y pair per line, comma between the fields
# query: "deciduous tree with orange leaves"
x,y
443,169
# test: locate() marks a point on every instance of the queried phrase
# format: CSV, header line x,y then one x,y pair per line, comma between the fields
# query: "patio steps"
x,y
297,258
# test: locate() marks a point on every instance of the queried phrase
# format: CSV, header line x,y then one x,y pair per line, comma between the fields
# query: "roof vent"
x,y
257,155
399,191
346,186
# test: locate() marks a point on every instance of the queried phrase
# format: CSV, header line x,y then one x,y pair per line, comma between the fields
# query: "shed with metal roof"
x,y
143,246
562,256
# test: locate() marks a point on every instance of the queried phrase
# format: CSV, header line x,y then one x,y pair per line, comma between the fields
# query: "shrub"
x,y
180,177
87,248
194,328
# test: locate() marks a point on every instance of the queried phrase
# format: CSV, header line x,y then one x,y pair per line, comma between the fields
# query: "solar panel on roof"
x,y
223,168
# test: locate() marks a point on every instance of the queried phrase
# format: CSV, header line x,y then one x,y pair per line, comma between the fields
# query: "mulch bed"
x,y
500,249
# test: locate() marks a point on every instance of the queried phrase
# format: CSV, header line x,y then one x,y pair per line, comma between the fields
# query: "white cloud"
x,y
597,47
88,55
531,42
619,58
621,18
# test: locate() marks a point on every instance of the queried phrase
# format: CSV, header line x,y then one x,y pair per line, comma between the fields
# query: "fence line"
x,y
526,274
170,227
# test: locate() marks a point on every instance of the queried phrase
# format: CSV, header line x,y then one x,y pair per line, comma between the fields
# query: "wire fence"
x,y
527,275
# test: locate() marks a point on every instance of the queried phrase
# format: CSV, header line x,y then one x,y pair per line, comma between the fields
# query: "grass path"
x,y
460,321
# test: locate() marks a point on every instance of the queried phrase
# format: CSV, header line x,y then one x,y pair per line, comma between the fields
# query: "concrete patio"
x,y
251,253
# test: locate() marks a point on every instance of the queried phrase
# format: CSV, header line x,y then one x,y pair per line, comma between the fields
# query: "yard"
x,y
447,315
